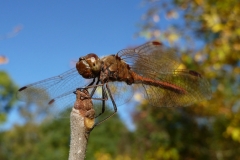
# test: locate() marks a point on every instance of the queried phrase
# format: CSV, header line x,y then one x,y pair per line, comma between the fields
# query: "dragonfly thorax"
x,y
89,66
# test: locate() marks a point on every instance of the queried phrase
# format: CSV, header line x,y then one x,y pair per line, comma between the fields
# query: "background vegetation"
x,y
208,130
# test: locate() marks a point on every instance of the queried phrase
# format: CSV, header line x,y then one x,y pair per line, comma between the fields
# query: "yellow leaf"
x,y
173,38
199,2
102,156
236,46
217,27
234,133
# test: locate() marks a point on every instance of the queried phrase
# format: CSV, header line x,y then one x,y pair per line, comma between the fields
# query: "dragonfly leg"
x,y
92,82
114,106
104,98
94,89
104,95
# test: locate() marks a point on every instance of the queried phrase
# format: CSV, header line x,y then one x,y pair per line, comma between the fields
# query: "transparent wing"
x,y
54,94
150,59
122,93
195,86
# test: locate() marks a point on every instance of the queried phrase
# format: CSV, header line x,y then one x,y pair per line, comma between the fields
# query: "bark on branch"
x,y
82,122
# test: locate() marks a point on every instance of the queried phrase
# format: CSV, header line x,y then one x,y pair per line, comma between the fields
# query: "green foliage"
x,y
178,133
7,94
207,130
216,24
106,139
51,139
31,141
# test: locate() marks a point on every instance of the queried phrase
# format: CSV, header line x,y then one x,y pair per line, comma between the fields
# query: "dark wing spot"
x,y
51,102
194,73
22,88
156,43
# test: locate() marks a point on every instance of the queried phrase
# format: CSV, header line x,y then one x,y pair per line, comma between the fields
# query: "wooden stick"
x,y
82,123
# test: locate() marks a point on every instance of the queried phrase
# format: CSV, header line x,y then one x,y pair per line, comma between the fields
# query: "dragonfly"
x,y
150,69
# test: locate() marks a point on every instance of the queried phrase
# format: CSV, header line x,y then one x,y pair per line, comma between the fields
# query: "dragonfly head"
x,y
89,66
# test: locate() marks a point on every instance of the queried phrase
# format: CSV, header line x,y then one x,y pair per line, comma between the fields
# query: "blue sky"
x,y
56,33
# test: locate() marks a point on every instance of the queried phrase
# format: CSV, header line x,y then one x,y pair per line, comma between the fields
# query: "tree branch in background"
x,y
3,59
14,32
82,122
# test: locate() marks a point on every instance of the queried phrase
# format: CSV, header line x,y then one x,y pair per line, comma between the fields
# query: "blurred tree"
x,y
106,139
33,141
207,34
51,139
7,86
7,95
